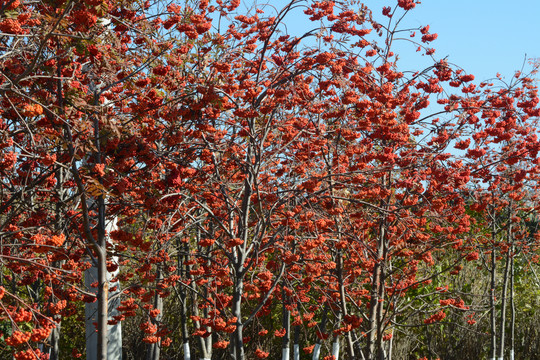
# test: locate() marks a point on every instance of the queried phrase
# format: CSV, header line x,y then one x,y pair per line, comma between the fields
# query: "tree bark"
x,y
322,329
376,309
493,316
103,304
285,347
183,314
335,342
343,301
296,354
237,343
54,345
205,343
512,305
504,300
154,349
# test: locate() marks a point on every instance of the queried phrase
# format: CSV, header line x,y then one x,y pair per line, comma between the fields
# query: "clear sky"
x,y
482,36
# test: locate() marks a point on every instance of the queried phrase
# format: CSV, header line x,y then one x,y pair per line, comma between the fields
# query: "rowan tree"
x,y
504,165
246,166
65,72
387,185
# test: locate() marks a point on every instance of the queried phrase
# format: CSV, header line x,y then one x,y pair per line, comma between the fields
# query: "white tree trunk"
x,y
114,347
296,355
335,350
317,352
285,354
187,353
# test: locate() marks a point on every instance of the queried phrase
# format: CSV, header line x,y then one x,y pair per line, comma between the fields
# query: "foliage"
x,y
252,185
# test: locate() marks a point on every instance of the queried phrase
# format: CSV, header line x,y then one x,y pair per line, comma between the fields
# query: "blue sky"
x,y
482,36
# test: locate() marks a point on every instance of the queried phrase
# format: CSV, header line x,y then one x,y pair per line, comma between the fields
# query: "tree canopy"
x,y
241,188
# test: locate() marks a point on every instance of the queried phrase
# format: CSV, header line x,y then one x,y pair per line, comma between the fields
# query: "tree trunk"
x,y
103,303
237,341
205,343
60,221
335,342
493,316
183,315
343,301
322,329
296,354
376,309
335,349
96,342
109,345
285,347
512,305
390,344
373,309
54,349
506,277
101,249
153,351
